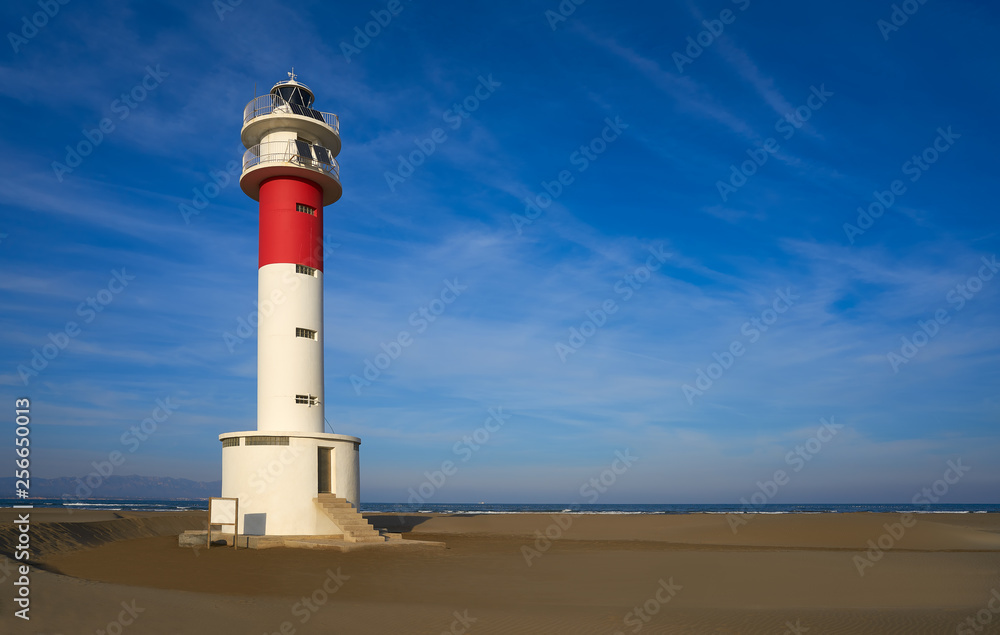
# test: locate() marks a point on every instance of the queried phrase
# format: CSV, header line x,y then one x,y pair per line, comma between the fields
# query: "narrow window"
x,y
305,209
309,271
308,333
308,400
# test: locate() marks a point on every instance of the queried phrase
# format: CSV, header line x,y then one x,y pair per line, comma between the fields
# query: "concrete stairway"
x,y
353,524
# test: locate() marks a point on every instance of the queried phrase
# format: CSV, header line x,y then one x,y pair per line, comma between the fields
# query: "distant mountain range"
x,y
162,487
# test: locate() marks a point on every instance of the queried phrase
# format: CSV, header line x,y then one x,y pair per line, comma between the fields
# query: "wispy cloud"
x,y
527,291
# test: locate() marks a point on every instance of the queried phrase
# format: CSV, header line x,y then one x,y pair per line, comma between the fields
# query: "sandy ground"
x,y
520,573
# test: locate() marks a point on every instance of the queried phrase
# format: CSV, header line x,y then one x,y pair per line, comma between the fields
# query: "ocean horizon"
x,y
153,504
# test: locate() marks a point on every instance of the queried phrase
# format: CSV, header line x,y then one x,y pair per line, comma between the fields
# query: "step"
x,y
347,516
343,513
365,539
354,529
340,510
358,529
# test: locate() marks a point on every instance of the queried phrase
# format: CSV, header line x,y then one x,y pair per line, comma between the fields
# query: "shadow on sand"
x,y
401,523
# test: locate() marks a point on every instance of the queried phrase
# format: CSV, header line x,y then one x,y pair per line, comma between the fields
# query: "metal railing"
x,y
267,104
291,152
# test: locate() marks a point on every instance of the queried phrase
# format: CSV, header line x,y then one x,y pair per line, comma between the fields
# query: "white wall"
x,y
288,365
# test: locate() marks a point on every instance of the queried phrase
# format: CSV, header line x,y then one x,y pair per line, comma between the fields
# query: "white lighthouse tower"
x,y
291,477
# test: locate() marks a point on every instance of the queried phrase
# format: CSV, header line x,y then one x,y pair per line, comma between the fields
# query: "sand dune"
x,y
599,574
55,530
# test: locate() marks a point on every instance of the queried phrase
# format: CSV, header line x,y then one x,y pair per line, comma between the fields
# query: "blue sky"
x,y
833,105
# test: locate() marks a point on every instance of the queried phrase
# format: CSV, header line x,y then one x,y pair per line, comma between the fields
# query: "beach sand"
x,y
594,574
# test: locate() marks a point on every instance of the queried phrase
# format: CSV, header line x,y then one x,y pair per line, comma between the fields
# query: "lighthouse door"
x,y
326,466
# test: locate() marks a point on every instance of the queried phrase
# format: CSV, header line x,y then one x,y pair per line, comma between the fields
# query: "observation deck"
x,y
269,112
291,158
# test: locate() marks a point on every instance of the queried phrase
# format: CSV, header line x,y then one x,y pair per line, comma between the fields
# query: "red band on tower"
x,y
288,235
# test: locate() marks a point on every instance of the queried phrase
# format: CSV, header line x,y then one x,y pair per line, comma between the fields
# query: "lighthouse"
x,y
291,475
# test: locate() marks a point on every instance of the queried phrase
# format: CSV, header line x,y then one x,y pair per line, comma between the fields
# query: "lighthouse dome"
x,y
293,91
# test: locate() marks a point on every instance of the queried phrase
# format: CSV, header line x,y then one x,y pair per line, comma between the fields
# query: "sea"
x,y
151,504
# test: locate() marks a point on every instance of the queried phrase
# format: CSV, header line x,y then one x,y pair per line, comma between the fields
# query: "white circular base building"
x,y
279,479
